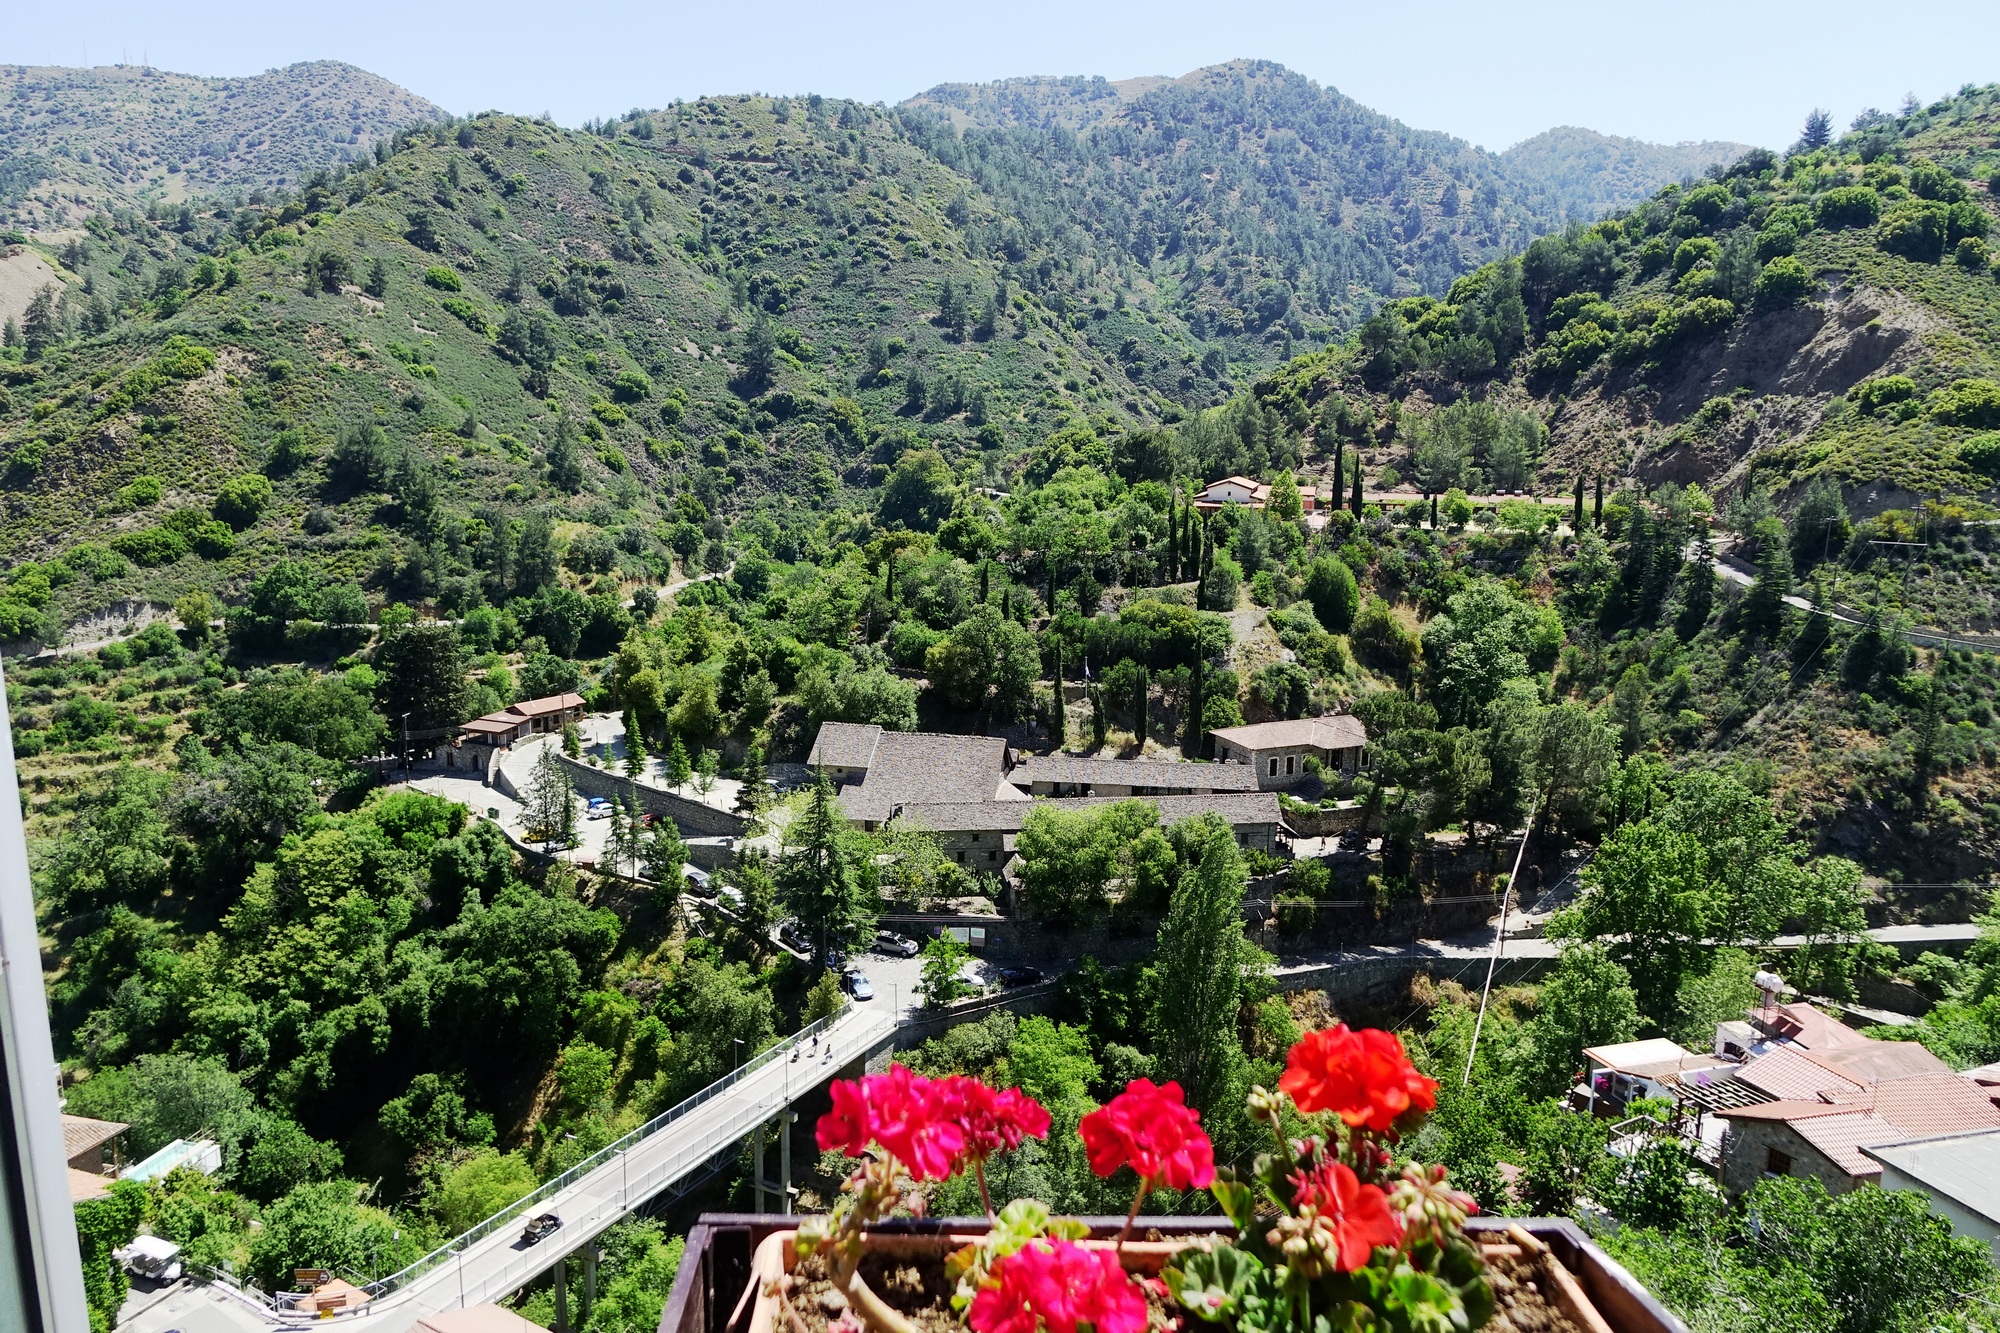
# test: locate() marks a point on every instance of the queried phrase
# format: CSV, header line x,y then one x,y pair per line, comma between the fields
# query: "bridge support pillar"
x,y
786,1120
562,1296
589,1255
757,1165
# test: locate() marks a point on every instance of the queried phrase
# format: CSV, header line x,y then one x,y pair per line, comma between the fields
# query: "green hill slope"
x,y
1588,174
75,141
746,301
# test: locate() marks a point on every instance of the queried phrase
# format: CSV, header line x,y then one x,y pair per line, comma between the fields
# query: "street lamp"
x,y
406,747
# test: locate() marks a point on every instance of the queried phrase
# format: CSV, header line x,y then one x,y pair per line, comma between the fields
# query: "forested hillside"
x,y
1588,174
467,423
77,141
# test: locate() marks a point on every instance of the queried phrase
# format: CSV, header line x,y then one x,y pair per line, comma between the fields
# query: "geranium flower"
x,y
1340,1220
1364,1077
1061,1284
898,1111
991,1121
1151,1129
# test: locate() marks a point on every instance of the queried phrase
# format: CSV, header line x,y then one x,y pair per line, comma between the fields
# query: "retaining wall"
x,y
692,818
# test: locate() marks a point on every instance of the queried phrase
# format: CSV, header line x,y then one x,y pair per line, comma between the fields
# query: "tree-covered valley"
x,y
1637,533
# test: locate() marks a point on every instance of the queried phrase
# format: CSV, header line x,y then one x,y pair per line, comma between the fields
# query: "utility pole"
x,y
1499,943
406,747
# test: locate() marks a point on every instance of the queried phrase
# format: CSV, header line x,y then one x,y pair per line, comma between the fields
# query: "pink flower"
x,y
898,1111
991,1121
1364,1077
1151,1129
1061,1284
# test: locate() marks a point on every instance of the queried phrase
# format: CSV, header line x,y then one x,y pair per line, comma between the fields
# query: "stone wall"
x,y
1746,1149
692,818
1386,980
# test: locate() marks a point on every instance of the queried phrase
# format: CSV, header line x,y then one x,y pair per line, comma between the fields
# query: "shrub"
x,y
1776,239
1873,395
1970,254
1970,402
1695,250
1915,230
1847,206
1784,281
443,279
1981,453
150,546
468,314
631,386
140,492
1930,181
242,499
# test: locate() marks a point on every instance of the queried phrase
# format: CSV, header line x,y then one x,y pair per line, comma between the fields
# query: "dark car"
x,y
540,1228
1011,977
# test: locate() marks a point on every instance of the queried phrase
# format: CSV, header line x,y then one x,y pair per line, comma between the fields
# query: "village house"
x,y
1277,751
484,737
1960,1173
877,771
1249,493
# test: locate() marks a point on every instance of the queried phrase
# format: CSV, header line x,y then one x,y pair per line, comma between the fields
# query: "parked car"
x,y
599,808
791,936
540,1229
698,881
900,946
1011,977
153,1258
858,985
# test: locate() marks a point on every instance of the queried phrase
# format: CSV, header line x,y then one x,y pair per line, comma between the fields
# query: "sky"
x,y
1491,73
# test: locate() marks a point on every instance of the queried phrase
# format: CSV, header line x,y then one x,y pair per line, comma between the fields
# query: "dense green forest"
x,y
462,424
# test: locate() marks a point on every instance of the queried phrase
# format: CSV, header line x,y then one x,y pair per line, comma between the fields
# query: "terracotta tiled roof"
x,y
1927,1104
551,703
1879,1061
81,1134
1339,731
1787,1072
1842,1137
1814,1030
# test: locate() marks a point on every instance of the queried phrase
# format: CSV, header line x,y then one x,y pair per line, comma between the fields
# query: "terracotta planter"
x,y
731,1260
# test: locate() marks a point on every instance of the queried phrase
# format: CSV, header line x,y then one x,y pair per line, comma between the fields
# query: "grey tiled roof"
x,y
1007,816
1135,773
921,766
844,745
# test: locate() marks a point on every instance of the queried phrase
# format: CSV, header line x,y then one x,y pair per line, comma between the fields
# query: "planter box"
x,y
718,1262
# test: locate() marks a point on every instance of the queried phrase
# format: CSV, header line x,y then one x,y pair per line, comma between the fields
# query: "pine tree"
x,y
750,797
706,765
1697,597
635,748
817,878
678,767
614,839
1813,645
1763,605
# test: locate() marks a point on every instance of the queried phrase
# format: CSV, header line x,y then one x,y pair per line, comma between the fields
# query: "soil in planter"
x,y
1521,1303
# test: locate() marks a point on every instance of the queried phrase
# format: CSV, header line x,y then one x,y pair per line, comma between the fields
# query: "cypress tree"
x,y
1434,513
985,572
889,577
1576,516
1007,602
1597,507
1354,502
1191,740
1139,702
1339,457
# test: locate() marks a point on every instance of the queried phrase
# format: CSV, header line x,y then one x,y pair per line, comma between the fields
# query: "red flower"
x,y
1363,1076
991,1121
1358,1215
1152,1130
899,1111
1061,1284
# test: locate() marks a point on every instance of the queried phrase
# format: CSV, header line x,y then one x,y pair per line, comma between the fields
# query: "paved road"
x,y
1736,573
498,1264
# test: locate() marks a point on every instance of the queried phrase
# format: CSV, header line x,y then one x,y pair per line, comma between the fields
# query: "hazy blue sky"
x,y
1493,73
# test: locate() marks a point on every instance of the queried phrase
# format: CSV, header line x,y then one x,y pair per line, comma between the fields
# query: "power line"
x,y
1499,942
